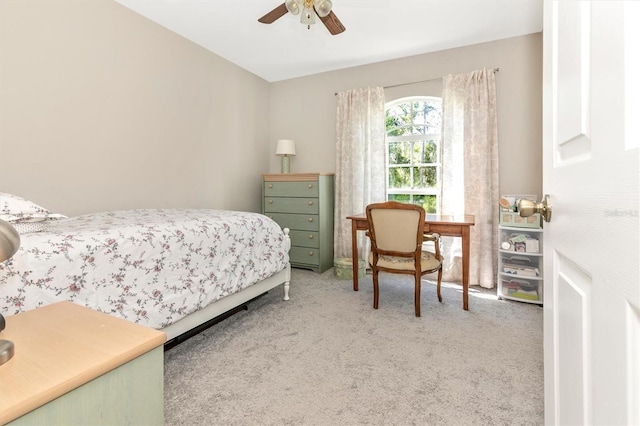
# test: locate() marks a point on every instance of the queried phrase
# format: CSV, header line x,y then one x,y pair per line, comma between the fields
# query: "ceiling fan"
x,y
309,9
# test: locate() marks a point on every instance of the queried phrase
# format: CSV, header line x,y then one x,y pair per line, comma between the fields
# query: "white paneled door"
x,y
591,157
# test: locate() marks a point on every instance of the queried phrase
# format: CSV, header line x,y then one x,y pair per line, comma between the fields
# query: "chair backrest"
x,y
395,227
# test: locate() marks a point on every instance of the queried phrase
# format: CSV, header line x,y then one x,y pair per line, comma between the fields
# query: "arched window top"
x,y
416,115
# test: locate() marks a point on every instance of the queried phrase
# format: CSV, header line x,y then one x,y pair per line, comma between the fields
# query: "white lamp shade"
x,y
285,147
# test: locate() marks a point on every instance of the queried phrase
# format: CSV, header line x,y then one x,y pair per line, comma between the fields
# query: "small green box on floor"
x,y
343,268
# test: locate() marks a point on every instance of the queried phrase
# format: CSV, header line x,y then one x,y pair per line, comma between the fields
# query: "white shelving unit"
x,y
520,259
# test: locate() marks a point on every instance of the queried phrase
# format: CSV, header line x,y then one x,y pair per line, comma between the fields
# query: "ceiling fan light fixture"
x,y
293,6
308,17
308,9
323,7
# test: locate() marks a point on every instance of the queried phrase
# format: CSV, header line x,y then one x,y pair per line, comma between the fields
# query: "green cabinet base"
x,y
132,394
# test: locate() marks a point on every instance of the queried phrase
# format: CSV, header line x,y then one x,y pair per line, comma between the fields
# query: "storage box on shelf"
x,y
520,257
304,204
514,219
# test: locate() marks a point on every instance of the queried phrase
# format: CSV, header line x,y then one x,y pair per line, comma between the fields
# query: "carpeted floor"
x,y
326,357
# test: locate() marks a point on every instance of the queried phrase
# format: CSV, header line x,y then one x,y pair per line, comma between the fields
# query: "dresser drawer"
x,y
291,189
305,238
304,255
291,205
305,222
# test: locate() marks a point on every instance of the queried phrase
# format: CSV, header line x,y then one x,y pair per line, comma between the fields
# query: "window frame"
x,y
420,137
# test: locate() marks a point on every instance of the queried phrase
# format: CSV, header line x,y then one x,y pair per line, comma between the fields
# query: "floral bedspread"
x,y
151,267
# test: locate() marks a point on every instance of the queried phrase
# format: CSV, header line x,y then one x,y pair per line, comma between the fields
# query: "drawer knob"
x,y
310,219
310,203
270,185
310,186
270,201
311,236
310,253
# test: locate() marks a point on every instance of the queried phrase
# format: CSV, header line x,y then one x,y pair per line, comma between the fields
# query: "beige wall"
x,y
304,109
102,109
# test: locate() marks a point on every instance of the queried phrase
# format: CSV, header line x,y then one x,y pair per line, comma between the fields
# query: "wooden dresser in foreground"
x,y
73,365
303,202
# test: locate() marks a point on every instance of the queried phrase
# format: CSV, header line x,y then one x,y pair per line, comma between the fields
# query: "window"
x,y
413,163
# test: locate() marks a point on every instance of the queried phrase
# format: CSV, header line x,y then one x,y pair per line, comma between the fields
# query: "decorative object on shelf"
x,y
510,215
285,148
507,203
527,208
9,244
309,9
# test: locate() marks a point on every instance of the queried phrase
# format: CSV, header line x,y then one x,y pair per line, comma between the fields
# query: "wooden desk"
x,y
445,225
73,365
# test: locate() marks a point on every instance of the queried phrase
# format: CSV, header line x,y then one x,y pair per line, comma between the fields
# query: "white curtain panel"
x,y
360,162
470,180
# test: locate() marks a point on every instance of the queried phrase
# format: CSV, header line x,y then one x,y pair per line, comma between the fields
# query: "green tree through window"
x,y
413,151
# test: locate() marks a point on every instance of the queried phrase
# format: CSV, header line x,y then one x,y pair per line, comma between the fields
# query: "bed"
x,y
168,269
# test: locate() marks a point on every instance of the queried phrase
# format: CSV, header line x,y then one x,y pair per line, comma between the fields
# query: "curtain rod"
x,y
419,81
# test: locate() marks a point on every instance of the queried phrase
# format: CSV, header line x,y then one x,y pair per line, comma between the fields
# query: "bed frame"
x,y
217,311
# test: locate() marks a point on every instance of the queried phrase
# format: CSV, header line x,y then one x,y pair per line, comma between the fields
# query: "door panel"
x,y
573,291
571,73
592,245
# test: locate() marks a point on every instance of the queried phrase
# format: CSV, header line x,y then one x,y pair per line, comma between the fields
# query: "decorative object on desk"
x,y
9,244
285,148
527,208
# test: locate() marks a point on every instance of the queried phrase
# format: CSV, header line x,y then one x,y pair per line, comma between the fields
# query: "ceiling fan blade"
x,y
332,23
274,14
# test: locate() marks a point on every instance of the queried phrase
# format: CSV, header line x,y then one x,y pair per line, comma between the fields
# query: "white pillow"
x,y
17,210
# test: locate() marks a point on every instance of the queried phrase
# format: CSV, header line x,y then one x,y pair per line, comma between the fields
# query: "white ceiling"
x,y
376,30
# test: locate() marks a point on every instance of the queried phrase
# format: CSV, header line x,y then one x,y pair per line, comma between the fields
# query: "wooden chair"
x,y
397,233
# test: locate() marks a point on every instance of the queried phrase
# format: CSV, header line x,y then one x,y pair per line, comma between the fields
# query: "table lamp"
x,y
285,148
9,243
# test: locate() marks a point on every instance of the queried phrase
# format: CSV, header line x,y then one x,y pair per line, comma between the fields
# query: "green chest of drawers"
x,y
304,204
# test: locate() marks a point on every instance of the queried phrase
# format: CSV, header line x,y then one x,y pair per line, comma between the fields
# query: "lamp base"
x,y
7,350
285,164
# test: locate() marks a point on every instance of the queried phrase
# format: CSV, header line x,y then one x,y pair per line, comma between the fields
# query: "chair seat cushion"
x,y
429,262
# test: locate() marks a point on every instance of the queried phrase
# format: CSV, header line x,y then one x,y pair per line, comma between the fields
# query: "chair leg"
x,y
417,295
376,292
439,282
